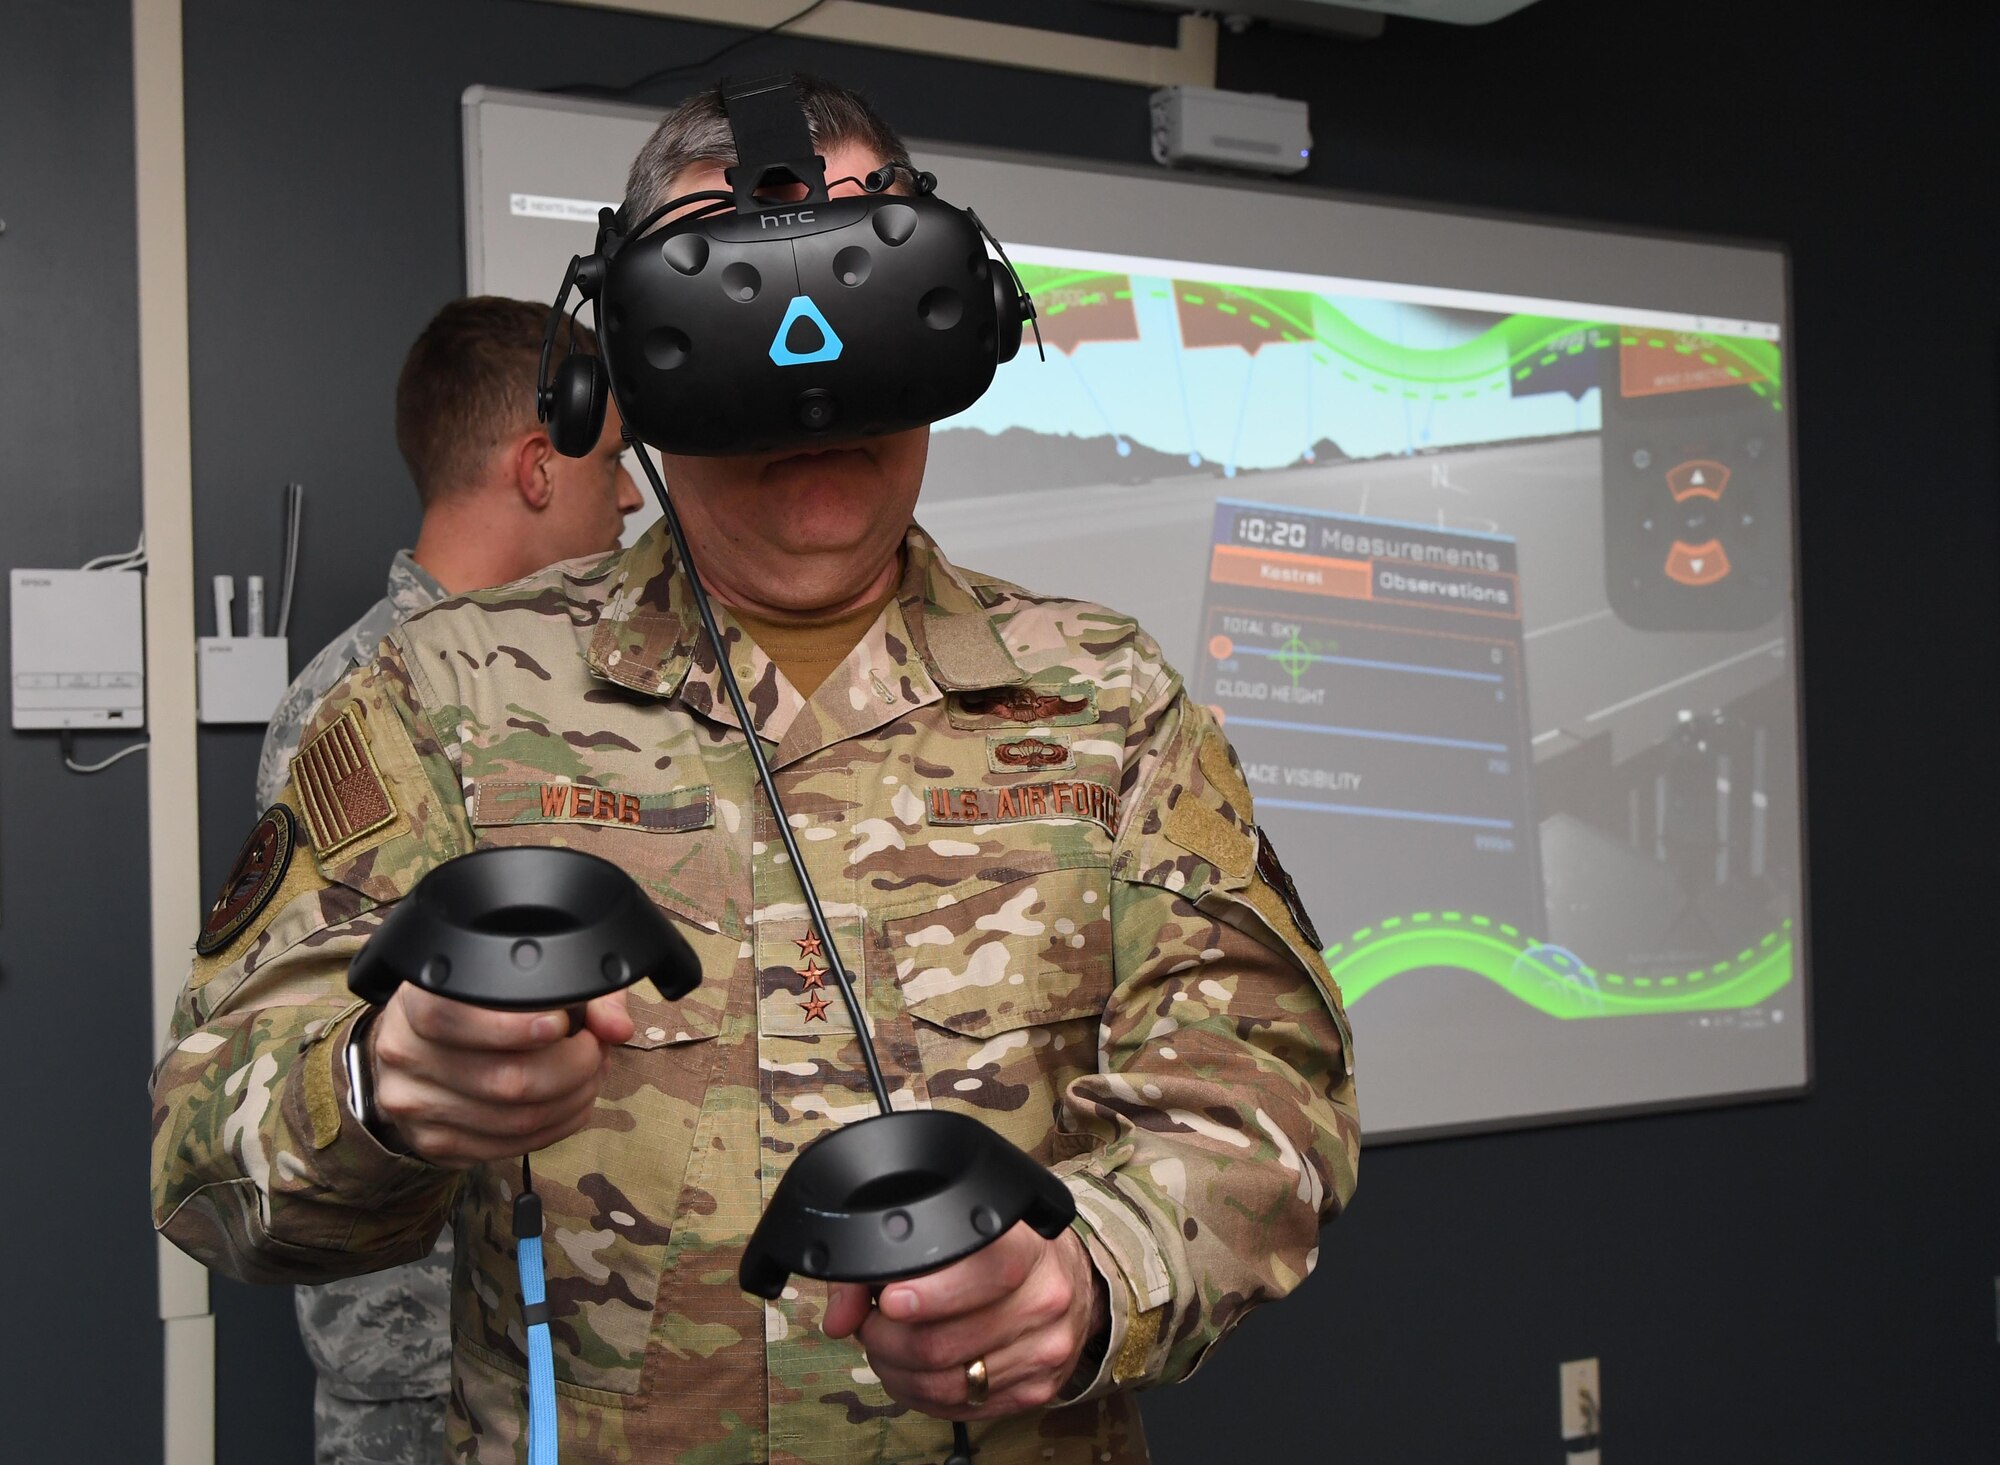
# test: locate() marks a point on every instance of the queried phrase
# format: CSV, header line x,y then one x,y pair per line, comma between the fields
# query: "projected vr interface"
x,y
1407,369
1490,604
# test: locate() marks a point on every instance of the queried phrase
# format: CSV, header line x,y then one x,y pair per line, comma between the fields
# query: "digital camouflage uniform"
x,y
411,589
380,1343
1038,860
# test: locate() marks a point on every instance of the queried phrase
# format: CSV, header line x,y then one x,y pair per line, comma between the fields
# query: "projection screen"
x,y
1476,533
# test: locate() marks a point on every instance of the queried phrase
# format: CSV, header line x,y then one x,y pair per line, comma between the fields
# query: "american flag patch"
x,y
341,793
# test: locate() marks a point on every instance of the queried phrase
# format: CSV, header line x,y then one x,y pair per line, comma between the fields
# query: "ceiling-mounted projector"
x,y
1198,126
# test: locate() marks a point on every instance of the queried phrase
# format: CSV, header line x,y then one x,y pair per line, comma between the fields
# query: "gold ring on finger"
x,y
975,1383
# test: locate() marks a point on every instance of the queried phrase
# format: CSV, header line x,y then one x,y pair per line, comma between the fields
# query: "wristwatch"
x,y
361,1086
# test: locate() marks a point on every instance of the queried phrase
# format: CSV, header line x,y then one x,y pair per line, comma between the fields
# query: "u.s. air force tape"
x,y
1011,803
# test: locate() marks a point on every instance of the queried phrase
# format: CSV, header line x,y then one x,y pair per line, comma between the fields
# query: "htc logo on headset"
x,y
778,220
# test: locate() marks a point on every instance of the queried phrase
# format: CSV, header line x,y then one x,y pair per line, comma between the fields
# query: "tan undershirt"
x,y
808,651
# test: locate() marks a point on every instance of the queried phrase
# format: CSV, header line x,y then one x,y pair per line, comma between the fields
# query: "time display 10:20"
x,y
1270,531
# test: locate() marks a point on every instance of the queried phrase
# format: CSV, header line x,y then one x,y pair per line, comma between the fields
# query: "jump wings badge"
x,y
1023,754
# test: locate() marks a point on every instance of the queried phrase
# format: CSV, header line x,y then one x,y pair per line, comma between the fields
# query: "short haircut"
x,y
468,385
696,131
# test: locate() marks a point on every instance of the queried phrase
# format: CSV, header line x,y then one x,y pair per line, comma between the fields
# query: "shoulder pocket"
x,y
1209,850
374,789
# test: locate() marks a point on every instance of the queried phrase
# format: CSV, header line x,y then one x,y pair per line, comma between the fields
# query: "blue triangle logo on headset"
x,y
802,310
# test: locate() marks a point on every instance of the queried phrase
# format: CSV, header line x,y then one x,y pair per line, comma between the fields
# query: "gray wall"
x,y
1806,1280
75,999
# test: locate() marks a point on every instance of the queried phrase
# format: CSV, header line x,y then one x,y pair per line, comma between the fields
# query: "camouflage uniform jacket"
x,y
411,589
1038,860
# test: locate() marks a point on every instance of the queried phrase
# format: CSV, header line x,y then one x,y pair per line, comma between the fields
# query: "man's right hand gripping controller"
x,y
499,986
457,1084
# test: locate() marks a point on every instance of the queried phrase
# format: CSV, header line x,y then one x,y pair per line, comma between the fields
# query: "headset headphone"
x,y
746,325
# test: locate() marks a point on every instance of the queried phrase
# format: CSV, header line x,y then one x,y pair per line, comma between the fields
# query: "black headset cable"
x,y
835,966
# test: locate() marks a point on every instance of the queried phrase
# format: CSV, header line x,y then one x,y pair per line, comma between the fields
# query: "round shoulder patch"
x,y
255,877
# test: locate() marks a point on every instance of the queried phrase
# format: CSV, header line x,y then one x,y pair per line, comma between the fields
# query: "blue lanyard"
x,y
535,1321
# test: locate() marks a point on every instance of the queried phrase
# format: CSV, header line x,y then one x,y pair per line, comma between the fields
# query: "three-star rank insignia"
x,y
813,975
255,877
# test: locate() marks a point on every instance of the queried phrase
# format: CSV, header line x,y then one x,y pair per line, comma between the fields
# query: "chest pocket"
x,y
610,1192
1005,990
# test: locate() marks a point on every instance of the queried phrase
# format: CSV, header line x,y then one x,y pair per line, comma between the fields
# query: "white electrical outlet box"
x,y
1582,1411
79,648
240,678
1200,125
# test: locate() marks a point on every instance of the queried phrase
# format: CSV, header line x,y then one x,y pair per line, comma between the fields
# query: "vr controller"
x,y
748,326
522,930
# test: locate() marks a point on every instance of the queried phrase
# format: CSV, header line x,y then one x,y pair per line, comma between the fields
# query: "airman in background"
x,y
498,503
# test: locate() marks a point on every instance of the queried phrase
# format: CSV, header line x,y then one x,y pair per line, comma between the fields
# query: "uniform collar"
x,y
937,632
412,587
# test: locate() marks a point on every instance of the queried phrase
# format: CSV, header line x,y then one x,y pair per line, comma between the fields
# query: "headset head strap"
x,y
773,142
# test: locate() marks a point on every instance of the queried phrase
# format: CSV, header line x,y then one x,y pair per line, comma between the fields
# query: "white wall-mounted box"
x,y
79,648
240,678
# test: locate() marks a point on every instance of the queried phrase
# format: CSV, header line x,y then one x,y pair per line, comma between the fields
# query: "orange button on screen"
x,y
1697,478
1308,574
1697,564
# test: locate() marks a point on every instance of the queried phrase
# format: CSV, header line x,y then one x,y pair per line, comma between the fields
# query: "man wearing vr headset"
x,y
1038,859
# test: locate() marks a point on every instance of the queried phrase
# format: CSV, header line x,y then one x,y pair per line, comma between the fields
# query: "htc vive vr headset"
x,y
745,325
